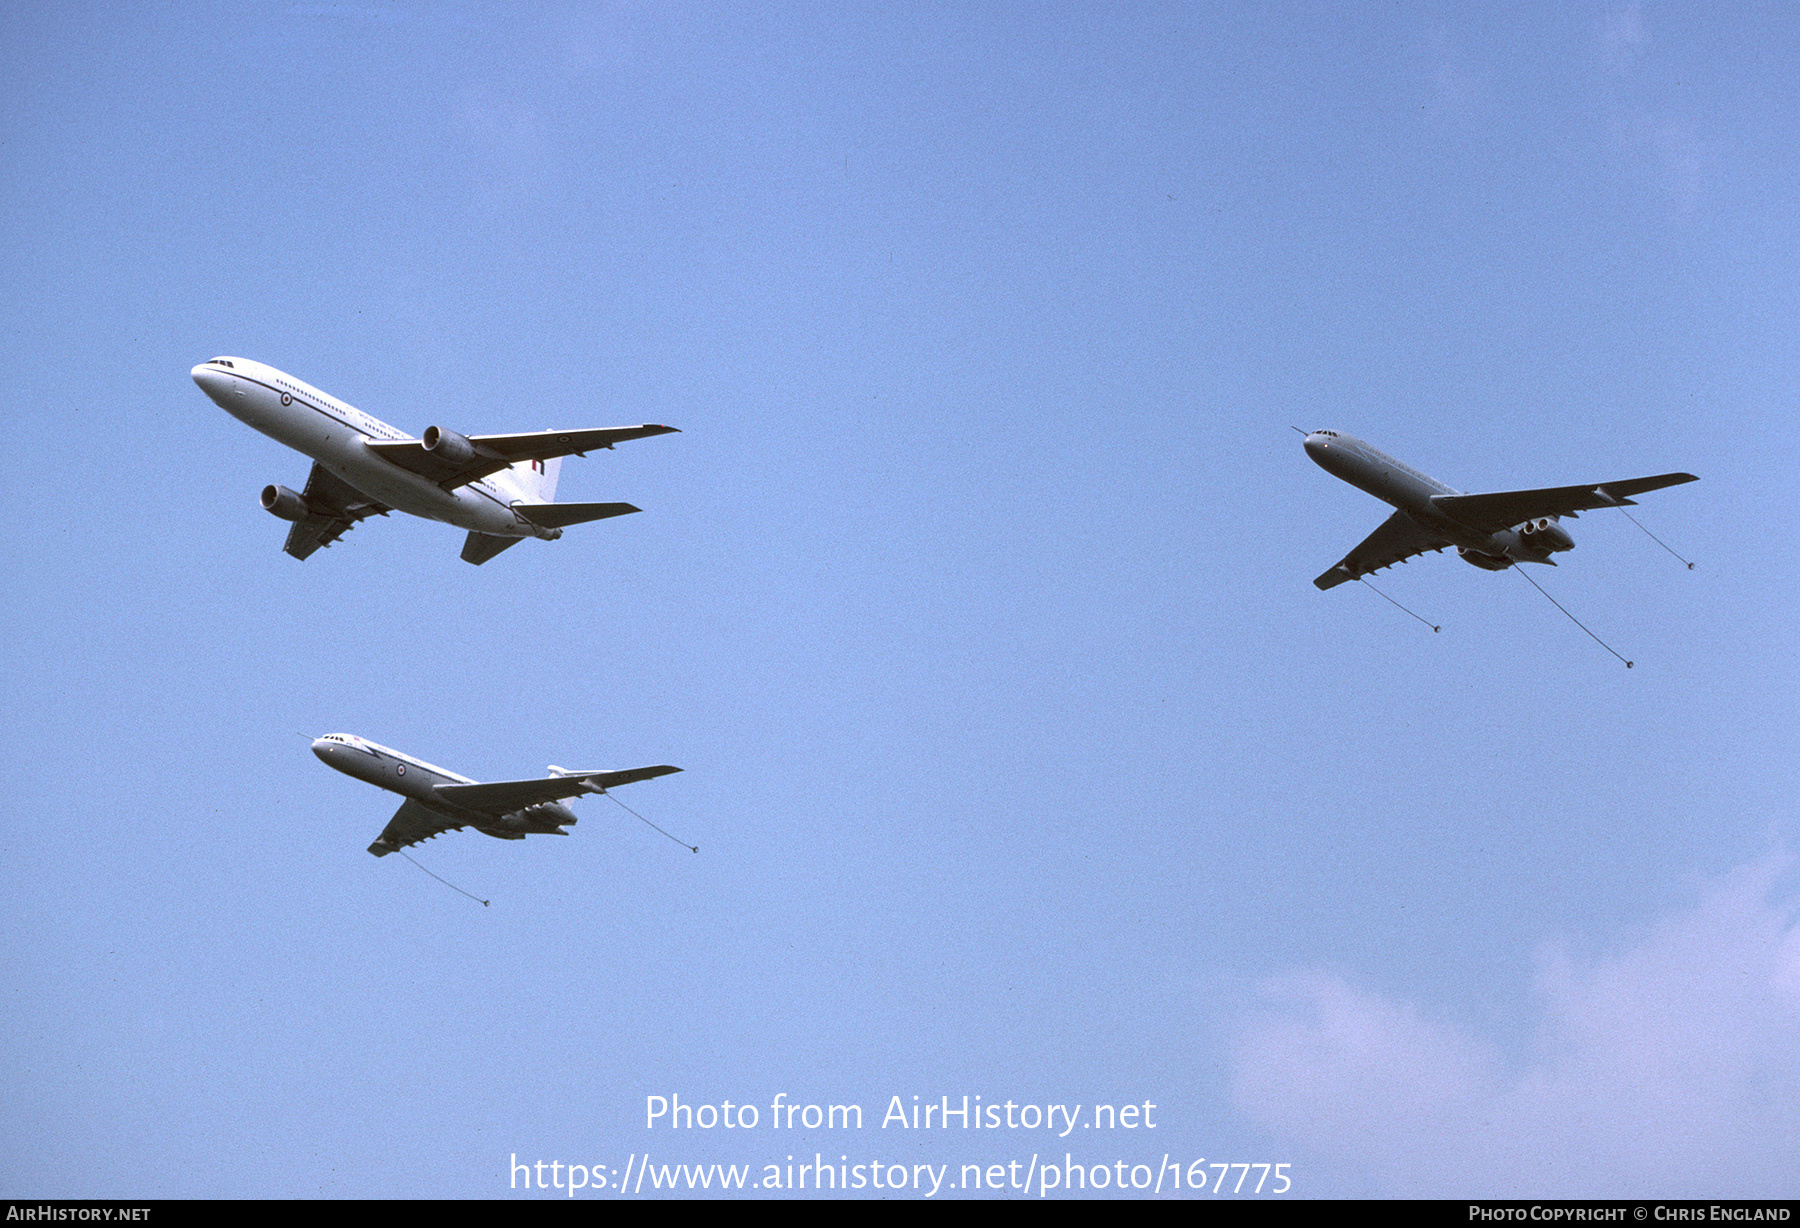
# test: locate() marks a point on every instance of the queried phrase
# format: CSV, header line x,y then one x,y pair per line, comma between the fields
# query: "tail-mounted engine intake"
x,y
282,502
1532,527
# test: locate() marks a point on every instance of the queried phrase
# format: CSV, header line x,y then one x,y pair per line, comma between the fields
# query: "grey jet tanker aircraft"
x,y
439,801
1491,531
501,488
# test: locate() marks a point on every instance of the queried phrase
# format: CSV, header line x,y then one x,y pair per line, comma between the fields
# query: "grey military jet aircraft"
x,y
438,801
1491,531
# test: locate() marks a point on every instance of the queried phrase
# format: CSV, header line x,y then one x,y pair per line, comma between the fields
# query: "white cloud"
x,y
1671,1069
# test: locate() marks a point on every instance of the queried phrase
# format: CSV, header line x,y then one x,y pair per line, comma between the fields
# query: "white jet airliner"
x,y
1492,531
501,488
439,801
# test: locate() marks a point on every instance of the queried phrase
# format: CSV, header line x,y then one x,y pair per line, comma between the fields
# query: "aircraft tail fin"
x,y
483,546
531,480
538,478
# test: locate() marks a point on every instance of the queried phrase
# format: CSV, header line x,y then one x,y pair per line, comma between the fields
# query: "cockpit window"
x,y
223,362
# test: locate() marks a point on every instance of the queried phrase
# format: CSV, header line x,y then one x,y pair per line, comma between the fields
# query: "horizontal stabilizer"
x,y
483,546
562,515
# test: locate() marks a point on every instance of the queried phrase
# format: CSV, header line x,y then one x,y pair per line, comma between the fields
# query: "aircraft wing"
x,y
1504,509
333,507
496,452
1398,539
411,824
503,797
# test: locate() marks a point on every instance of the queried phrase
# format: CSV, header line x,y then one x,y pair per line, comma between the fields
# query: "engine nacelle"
x,y
1486,562
547,819
282,502
1533,527
448,445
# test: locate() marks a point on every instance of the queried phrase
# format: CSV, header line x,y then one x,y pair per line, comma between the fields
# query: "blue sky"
x,y
1024,760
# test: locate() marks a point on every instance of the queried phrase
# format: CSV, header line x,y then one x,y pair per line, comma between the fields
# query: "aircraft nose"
x,y
1316,443
322,749
212,381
